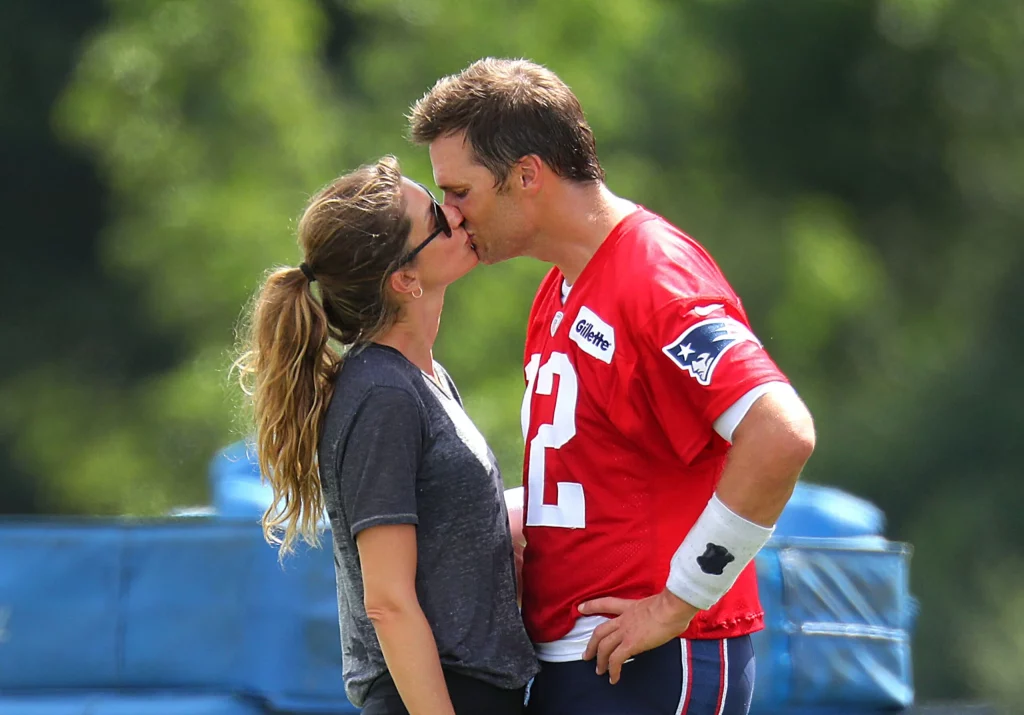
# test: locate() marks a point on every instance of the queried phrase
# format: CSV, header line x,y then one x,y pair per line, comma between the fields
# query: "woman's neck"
x,y
414,332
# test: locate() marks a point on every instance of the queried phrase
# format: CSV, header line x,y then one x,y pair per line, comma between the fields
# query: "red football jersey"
x,y
624,383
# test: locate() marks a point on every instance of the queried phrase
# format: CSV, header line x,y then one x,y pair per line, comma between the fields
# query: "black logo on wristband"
x,y
715,559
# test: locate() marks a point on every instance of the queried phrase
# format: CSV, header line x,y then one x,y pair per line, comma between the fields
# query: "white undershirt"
x,y
572,645
729,420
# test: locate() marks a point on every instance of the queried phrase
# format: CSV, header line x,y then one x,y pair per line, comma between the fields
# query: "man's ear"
x,y
529,173
404,281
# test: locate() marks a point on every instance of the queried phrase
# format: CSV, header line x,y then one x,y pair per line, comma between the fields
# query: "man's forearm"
x,y
770,446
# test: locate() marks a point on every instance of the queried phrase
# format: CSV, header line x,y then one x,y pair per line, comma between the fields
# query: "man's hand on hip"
x,y
640,625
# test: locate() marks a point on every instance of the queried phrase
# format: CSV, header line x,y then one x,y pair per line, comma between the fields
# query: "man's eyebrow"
x,y
449,187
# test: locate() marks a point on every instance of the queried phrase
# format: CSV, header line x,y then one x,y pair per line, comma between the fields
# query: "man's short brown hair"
x,y
510,109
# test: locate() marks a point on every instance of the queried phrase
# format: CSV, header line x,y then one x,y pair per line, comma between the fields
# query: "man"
x,y
662,442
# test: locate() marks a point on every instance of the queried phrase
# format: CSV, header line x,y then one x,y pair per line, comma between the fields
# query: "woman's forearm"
x,y
410,652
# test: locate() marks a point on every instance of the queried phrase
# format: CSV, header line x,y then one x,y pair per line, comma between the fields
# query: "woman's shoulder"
x,y
377,366
373,375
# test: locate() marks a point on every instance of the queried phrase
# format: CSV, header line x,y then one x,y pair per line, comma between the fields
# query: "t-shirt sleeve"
x,y
381,460
700,359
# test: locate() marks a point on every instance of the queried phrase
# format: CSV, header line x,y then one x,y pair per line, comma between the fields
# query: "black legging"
x,y
469,696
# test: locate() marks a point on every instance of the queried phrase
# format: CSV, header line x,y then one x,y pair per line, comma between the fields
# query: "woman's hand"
x,y
514,504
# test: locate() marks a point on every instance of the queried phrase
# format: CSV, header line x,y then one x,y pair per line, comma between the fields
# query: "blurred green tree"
x,y
856,167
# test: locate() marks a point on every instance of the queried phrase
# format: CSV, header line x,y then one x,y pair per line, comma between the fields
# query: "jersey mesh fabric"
x,y
612,411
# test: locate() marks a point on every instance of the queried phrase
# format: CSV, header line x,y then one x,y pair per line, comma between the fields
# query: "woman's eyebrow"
x,y
431,219
430,206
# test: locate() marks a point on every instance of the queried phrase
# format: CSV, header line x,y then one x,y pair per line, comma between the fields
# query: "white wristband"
x,y
711,557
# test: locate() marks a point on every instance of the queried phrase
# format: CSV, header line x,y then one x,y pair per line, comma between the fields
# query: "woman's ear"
x,y
404,282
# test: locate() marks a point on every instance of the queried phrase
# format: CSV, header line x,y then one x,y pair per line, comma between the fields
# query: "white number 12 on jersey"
x,y
569,512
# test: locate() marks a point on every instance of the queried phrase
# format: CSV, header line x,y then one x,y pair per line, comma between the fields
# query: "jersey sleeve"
x,y
698,360
381,460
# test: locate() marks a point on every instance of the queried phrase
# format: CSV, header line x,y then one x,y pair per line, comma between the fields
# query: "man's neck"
x,y
581,216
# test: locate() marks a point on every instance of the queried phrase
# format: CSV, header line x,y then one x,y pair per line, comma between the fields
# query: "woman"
x,y
377,436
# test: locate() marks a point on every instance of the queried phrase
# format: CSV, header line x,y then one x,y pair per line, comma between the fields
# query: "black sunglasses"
x,y
440,220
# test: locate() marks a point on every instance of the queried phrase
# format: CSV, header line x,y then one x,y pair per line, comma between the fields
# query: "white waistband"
x,y
572,644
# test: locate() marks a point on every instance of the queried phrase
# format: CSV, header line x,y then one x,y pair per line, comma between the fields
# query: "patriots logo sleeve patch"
x,y
701,346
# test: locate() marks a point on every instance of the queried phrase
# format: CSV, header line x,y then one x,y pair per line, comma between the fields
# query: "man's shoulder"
x,y
658,264
667,254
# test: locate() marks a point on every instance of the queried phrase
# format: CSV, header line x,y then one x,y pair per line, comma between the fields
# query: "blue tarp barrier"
x,y
189,604
202,604
838,610
838,620
120,704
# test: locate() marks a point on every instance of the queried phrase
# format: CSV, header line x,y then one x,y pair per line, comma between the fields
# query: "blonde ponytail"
x,y
287,369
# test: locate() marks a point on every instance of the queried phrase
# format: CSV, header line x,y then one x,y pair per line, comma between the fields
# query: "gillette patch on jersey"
x,y
594,336
702,345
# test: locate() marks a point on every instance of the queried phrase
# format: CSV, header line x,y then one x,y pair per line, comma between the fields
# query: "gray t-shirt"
x,y
398,449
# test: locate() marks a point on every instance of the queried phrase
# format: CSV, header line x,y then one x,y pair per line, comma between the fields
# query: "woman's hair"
x,y
353,234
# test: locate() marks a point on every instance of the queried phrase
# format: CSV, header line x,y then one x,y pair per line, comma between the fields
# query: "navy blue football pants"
x,y
682,677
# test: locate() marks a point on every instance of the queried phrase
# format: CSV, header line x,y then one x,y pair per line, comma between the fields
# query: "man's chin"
x,y
488,255
489,258
483,257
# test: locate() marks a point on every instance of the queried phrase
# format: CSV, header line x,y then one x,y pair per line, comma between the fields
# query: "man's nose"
x,y
454,216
